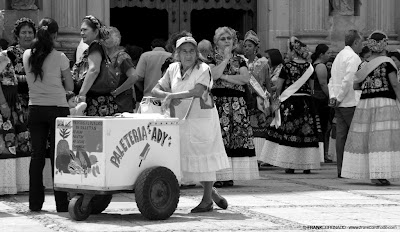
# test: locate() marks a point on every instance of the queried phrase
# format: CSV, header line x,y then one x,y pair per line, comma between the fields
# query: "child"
x,y
75,109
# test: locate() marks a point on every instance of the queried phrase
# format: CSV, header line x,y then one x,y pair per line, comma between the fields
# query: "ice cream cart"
x,y
96,157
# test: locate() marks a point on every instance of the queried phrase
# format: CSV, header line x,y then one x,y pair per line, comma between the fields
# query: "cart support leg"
x,y
86,201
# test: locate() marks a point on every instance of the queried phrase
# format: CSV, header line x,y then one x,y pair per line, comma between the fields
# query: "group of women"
x,y
244,108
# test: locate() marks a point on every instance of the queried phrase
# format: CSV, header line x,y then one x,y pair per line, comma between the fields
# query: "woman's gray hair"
x,y
114,38
222,30
177,58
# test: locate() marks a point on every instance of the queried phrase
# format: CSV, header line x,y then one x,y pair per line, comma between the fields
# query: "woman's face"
x,y
269,59
396,61
88,34
249,48
224,41
25,36
325,57
187,55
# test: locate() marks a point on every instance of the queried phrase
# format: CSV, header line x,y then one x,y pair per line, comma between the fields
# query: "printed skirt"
x,y
294,144
372,149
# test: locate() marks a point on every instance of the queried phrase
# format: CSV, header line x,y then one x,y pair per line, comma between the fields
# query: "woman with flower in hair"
x,y
372,149
48,77
292,138
15,147
85,71
230,75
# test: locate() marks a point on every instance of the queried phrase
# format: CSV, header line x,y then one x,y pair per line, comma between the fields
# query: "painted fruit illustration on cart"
x,y
73,163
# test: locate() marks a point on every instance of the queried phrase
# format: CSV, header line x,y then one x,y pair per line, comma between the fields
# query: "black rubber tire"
x,y
157,193
75,211
100,203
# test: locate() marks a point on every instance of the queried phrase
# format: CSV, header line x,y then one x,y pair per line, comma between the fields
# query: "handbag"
x,y
106,81
207,99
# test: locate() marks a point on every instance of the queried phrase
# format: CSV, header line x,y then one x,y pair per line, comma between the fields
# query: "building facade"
x,y
140,21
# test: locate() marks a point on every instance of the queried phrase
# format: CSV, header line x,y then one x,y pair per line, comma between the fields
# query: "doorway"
x,y
139,26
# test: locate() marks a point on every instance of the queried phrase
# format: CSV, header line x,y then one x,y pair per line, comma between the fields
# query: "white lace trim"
x,y
377,165
243,168
290,157
8,182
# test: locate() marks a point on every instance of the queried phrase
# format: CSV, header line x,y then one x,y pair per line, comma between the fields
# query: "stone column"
x,y
263,24
68,14
382,16
309,20
279,23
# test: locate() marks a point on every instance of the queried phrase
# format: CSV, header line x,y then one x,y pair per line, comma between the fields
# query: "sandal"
x,y
218,184
228,183
289,171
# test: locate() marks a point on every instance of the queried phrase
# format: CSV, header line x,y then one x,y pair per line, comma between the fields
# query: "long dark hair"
x,y
275,56
320,49
42,46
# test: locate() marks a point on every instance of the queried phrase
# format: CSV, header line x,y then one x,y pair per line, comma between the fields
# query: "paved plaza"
x,y
276,202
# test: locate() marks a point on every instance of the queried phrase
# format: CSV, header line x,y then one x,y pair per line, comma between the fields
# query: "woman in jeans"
x,y
49,77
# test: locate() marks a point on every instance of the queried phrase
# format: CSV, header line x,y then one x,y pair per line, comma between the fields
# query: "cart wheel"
x,y
100,203
75,209
157,193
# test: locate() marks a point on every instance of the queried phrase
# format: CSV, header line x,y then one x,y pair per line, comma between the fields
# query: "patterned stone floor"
x,y
276,202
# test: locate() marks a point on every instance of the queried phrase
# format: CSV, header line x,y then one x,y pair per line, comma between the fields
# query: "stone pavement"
x,y
276,202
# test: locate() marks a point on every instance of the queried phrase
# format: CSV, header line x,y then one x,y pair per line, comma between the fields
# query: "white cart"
x,y
96,157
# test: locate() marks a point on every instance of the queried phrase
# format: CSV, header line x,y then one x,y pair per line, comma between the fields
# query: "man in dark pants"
x,y
341,92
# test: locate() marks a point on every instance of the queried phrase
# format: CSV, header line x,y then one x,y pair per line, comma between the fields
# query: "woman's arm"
x,y
68,82
239,79
395,84
322,75
279,86
94,60
267,78
132,79
218,70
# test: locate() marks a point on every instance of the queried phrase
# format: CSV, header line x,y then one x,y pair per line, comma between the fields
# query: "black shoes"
x,y
219,200
220,184
289,171
308,171
207,208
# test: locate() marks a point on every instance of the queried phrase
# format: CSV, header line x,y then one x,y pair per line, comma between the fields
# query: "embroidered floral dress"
x,y
372,149
236,131
294,145
97,105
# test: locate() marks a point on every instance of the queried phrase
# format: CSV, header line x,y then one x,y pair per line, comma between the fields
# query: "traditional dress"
x,y
294,144
15,129
202,148
372,149
259,121
235,126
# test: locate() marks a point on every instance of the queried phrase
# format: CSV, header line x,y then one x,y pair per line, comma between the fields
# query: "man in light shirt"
x,y
341,93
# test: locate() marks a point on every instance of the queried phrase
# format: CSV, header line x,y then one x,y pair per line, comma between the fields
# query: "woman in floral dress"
x,y
230,75
372,149
15,90
93,33
259,70
294,143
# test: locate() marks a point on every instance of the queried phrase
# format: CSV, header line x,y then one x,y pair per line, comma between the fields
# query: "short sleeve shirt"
x,y
50,90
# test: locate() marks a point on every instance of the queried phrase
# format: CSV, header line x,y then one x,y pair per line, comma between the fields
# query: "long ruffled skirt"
x,y
372,149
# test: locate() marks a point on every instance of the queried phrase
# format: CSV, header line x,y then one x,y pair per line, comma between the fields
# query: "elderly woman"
x,y
372,148
123,64
202,149
292,140
259,70
14,136
86,70
230,75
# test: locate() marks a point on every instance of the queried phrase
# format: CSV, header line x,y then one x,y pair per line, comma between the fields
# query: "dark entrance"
x,y
139,26
205,22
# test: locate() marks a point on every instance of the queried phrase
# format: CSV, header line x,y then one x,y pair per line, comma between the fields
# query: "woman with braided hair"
x,y
372,149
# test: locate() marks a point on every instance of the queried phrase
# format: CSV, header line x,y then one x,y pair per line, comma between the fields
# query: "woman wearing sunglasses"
x,y
230,75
